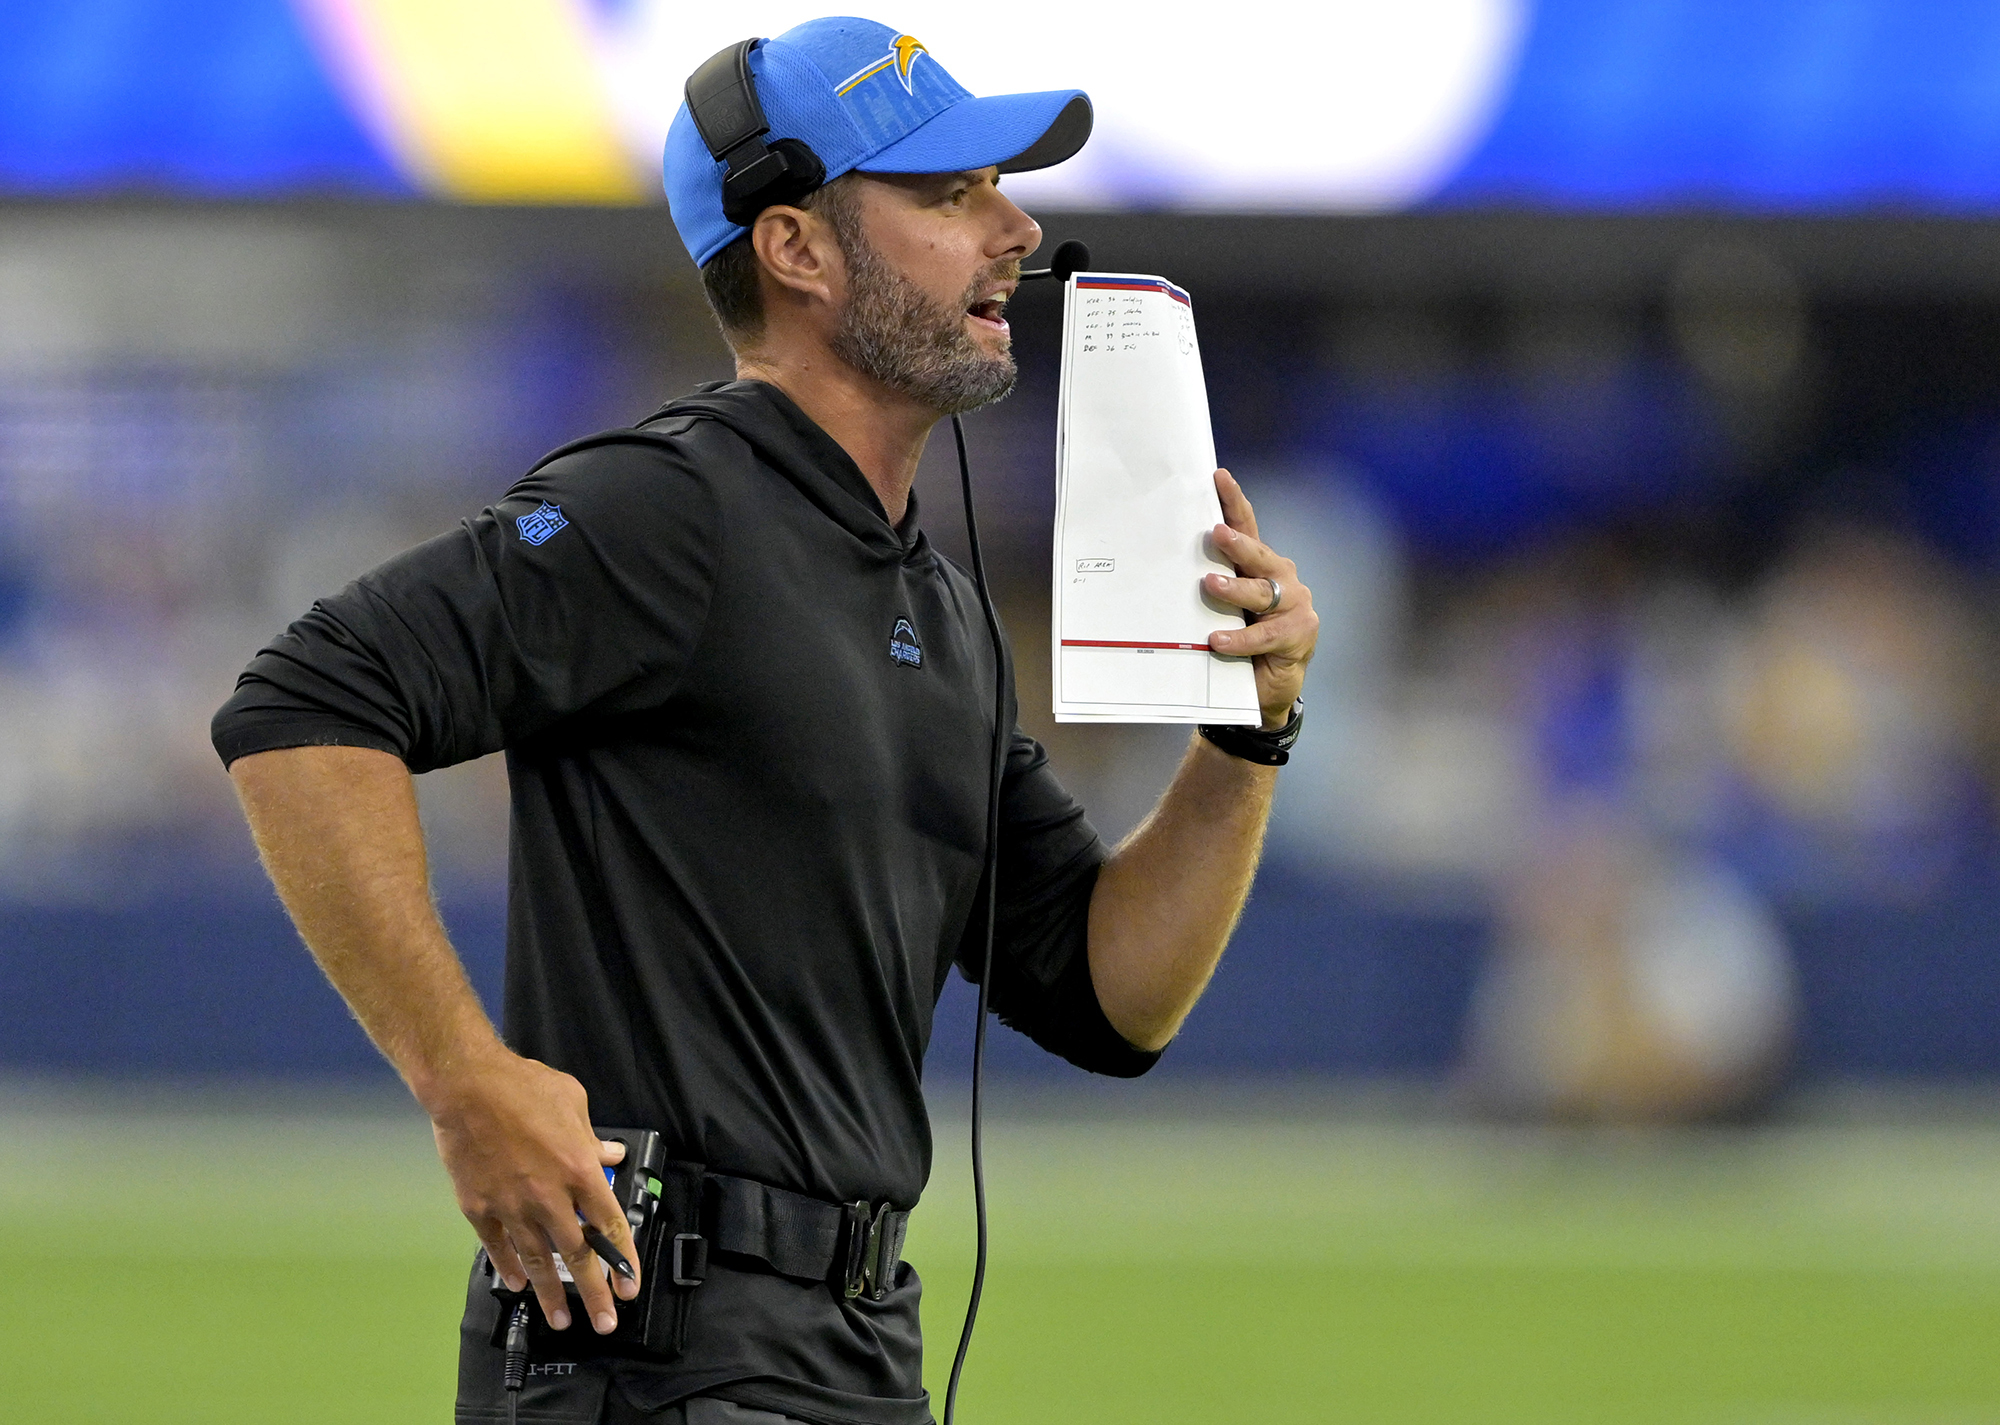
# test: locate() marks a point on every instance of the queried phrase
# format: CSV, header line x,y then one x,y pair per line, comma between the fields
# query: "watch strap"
x,y
1270,747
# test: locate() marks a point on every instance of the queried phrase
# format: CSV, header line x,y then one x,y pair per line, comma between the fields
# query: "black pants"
x,y
565,1392
555,1400
579,1393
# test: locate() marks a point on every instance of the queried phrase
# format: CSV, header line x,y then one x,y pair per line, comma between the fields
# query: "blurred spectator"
x,y
1850,705
1630,981
1633,976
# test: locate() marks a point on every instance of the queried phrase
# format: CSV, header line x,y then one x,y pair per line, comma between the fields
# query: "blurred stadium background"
x,y
1613,1031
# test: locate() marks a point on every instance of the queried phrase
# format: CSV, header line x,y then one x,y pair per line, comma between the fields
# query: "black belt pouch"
x,y
653,1325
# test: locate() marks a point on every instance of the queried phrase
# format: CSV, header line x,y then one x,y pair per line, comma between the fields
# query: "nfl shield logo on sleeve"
x,y
541,525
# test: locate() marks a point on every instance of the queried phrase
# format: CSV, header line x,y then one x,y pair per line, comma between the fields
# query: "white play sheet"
x,y
1135,504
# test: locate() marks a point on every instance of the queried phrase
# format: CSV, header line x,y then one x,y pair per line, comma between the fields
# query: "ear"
x,y
799,257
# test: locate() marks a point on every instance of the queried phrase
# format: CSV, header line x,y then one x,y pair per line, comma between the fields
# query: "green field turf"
x,y
1224,1261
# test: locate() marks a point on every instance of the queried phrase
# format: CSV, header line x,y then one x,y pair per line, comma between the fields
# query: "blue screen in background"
x,y
1777,104
1773,105
206,97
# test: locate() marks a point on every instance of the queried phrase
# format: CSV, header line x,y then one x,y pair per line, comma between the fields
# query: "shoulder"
x,y
638,482
617,463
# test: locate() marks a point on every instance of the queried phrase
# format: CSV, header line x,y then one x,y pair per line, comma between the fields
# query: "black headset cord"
x,y
999,762
514,1365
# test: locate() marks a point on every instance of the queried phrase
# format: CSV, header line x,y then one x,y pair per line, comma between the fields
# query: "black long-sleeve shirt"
x,y
748,726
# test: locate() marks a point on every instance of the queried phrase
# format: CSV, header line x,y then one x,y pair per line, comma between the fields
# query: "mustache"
x,y
1006,270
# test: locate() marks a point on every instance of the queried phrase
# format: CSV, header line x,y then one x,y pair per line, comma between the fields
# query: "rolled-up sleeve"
x,y
1049,860
586,589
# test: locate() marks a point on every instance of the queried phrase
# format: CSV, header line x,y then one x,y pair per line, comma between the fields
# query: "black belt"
x,y
852,1246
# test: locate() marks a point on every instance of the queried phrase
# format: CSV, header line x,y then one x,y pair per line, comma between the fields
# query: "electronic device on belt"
x,y
635,1178
635,1181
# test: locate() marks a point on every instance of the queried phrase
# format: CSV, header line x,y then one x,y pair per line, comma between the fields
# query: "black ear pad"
x,y
787,171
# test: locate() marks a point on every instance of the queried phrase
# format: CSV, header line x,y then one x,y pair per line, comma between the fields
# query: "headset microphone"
x,y
1071,258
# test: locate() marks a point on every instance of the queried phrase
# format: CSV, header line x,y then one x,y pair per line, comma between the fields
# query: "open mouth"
x,y
990,311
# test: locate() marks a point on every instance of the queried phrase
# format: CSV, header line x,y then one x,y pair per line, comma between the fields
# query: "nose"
x,y
1015,233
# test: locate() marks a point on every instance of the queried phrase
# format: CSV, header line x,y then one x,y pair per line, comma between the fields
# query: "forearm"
x,y
1168,898
338,831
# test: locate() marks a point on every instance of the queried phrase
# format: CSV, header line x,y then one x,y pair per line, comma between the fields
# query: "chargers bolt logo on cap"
x,y
903,53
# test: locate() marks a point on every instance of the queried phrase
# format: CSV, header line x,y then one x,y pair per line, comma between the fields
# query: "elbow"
x,y
1148,1033
1144,1014
1068,1019
1141,1020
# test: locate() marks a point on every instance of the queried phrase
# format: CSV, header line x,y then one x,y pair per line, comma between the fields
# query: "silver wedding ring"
x,y
1277,593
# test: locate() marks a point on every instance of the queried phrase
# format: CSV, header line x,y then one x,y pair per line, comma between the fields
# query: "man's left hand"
x,y
1280,639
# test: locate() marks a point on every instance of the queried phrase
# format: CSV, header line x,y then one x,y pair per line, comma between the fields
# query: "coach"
x,y
746,708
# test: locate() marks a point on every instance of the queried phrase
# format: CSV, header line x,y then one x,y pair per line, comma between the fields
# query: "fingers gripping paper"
x,y
1135,503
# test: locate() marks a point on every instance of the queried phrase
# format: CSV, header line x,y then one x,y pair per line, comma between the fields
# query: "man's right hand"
x,y
515,1136
339,831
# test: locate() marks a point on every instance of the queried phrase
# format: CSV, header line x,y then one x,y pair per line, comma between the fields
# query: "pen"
x,y
602,1245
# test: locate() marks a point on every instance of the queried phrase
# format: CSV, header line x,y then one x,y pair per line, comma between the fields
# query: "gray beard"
x,y
897,333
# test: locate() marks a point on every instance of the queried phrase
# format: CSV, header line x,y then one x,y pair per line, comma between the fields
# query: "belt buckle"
x,y
867,1235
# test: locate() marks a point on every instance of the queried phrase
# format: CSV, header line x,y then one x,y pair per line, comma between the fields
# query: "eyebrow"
x,y
945,182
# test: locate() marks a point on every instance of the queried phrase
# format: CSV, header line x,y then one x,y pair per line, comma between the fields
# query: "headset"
x,y
722,100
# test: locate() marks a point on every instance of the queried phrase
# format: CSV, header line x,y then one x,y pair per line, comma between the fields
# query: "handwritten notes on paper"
x,y
1135,503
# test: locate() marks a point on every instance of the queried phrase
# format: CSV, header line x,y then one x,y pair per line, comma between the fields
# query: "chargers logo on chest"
x,y
903,645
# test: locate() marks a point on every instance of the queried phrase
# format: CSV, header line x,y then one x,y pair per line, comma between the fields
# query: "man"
x,y
748,835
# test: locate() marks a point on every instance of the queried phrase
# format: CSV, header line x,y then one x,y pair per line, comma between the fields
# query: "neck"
x,y
881,430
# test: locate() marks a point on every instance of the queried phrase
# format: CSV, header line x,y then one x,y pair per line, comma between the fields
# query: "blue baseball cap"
x,y
862,96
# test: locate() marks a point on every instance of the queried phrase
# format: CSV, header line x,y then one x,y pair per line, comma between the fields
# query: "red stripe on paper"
x,y
1114,284
1114,643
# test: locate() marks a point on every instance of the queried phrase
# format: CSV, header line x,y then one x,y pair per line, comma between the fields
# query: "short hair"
x,y
730,280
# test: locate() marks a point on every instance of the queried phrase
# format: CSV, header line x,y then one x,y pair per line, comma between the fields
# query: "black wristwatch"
x,y
1254,744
